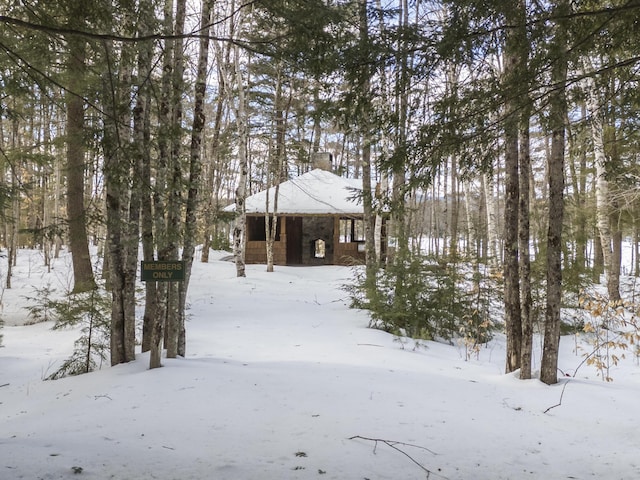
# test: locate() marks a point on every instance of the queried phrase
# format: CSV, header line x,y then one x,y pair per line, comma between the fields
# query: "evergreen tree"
x,y
76,69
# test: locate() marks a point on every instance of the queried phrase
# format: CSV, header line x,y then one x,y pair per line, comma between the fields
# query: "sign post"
x,y
162,271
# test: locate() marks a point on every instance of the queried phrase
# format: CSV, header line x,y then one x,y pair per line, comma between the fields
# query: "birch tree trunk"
x,y
239,229
472,231
603,201
378,237
274,170
455,209
492,221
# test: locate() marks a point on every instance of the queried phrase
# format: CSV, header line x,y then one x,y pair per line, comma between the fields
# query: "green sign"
x,y
163,271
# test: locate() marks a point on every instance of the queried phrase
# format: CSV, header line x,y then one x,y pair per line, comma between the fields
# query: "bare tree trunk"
x,y
14,223
214,176
577,168
378,237
636,247
78,240
517,166
471,229
132,226
603,201
455,209
557,114
195,168
174,332
275,169
524,235
382,188
364,79
239,230
142,138
116,185
492,221
122,210
512,307
158,312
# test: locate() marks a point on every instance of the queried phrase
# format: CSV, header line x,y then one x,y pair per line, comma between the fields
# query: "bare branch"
x,y
65,31
560,401
394,444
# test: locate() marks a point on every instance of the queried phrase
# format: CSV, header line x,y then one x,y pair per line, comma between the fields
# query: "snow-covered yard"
x,y
283,381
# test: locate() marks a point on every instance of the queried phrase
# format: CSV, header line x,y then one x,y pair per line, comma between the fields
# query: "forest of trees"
x,y
502,133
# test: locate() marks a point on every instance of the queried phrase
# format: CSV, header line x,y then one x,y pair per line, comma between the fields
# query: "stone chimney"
x,y
323,160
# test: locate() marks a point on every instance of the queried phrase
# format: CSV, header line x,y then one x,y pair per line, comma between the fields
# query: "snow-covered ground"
x,y
283,381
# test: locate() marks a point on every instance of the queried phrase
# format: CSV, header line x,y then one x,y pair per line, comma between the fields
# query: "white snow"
x,y
280,375
317,192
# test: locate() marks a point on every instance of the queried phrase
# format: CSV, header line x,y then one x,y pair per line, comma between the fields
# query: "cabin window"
x,y
256,231
319,248
351,230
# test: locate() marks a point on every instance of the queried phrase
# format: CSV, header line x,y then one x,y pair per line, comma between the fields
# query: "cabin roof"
x,y
317,192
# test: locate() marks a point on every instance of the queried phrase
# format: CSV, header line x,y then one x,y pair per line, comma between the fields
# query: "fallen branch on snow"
x,y
561,395
394,444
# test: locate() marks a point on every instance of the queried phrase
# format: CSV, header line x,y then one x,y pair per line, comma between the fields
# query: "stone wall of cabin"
x,y
317,228
314,228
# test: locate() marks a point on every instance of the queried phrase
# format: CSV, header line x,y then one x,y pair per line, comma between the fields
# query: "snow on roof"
x,y
317,192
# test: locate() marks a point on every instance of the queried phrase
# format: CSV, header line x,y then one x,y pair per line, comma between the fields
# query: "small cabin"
x,y
320,221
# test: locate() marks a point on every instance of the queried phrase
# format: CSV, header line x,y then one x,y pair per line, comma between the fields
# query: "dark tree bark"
x,y
77,221
364,93
158,305
525,259
513,62
117,191
557,115
142,141
122,202
195,166
142,138
174,333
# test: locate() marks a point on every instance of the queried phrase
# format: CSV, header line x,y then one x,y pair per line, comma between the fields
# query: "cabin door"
x,y
294,240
